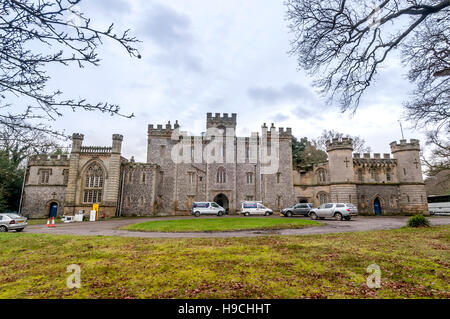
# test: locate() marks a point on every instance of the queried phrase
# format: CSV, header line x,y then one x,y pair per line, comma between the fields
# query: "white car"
x,y
12,222
207,208
337,211
255,208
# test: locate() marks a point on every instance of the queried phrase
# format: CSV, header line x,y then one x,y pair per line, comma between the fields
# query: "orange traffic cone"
x,y
53,222
48,222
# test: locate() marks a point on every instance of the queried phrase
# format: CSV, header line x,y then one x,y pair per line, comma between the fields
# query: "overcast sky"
x,y
214,56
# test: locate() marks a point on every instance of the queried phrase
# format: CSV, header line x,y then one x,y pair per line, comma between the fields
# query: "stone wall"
x,y
38,198
388,196
139,189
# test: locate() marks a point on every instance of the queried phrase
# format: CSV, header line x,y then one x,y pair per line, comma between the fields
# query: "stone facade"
x,y
387,185
167,186
229,181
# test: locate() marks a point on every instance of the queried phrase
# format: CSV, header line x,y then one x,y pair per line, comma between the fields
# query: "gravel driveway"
x,y
109,228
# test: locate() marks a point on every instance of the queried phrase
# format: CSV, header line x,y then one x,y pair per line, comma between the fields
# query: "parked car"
x,y
298,209
338,211
255,208
207,208
12,222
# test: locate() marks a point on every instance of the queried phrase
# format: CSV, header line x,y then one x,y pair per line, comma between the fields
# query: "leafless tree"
x,y
343,44
359,144
33,35
19,143
440,154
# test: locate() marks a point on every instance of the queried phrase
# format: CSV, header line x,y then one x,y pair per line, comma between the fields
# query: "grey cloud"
x,y
186,60
289,92
170,30
306,102
280,117
166,26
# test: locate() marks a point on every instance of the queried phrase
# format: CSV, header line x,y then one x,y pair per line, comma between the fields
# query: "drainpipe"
x,y
121,194
23,187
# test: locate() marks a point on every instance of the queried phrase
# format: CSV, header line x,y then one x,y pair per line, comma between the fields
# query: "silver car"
x,y
337,211
12,222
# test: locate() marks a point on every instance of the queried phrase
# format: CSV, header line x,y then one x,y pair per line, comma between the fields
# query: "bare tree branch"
x,y
23,74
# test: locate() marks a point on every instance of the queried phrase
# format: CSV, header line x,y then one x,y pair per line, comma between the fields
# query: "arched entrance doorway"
x,y
377,206
222,200
53,211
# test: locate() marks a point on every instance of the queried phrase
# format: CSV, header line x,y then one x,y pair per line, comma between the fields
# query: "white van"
x,y
207,208
255,208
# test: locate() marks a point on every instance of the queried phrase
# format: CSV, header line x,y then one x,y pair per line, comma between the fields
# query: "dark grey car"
x,y
298,209
12,222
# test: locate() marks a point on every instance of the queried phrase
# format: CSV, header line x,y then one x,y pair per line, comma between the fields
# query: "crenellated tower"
x,y
74,163
413,197
342,183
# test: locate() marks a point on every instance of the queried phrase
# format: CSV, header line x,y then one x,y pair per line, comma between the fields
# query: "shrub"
x,y
418,221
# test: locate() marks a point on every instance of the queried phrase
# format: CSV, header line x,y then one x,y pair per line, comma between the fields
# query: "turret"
x,y
221,121
340,159
77,142
413,196
408,159
342,183
117,144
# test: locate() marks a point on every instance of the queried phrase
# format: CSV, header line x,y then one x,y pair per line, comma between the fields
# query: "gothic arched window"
x,y
323,198
93,186
322,176
221,175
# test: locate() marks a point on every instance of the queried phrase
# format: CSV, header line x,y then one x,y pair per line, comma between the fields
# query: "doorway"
x,y
53,211
377,206
222,200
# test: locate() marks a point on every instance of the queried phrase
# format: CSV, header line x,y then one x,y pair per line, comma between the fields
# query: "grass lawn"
x,y
414,263
220,224
42,221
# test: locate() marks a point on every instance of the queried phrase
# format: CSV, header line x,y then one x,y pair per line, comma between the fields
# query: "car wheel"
x,y
313,216
338,216
266,214
246,214
289,214
3,229
19,230
220,214
197,214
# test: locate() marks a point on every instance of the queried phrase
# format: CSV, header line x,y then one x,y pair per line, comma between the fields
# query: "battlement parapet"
x,y
160,131
367,156
413,145
375,161
48,160
339,144
95,150
128,166
117,137
282,133
77,136
222,118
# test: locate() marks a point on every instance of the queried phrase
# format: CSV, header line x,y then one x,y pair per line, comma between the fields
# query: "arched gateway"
x,y
222,200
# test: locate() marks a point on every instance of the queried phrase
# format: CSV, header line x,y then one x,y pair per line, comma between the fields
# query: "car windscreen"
x,y
13,216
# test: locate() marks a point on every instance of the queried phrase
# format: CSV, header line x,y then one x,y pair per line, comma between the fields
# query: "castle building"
x,y
220,167
388,185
